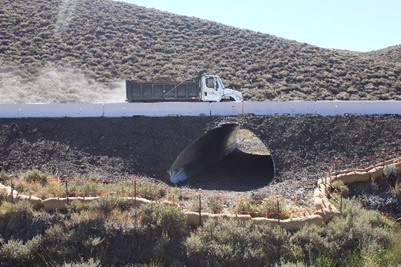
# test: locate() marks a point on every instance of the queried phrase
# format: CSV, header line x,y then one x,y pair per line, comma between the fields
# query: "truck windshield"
x,y
219,83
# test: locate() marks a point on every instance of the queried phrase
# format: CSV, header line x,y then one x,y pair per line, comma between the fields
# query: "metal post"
x,y
65,179
267,210
384,160
135,219
278,209
12,188
200,206
135,191
135,212
335,165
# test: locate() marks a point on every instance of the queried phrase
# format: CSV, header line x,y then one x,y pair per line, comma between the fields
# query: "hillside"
x,y
81,51
389,54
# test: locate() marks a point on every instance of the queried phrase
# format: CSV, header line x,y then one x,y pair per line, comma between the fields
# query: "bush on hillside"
x,y
58,60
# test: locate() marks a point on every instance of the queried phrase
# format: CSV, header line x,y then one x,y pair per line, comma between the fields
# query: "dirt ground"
x,y
304,148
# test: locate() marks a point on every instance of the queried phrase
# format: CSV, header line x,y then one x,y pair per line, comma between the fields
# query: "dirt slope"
x,y
303,147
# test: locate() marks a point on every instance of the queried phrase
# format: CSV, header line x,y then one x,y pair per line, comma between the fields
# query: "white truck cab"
x,y
213,90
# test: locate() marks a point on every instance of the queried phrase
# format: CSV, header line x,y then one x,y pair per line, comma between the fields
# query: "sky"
x,y
356,25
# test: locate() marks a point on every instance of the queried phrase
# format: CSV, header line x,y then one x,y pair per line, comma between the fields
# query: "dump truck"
x,y
209,88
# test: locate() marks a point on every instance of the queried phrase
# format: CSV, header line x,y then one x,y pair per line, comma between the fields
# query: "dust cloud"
x,y
65,15
56,85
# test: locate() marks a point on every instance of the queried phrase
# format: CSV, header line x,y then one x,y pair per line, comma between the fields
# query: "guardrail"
x,y
164,109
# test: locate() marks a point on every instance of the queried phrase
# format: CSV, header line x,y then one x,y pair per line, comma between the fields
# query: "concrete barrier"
x,y
54,204
51,110
283,107
84,199
136,201
375,173
57,204
294,224
352,177
328,214
320,199
358,107
265,221
193,218
226,109
35,201
228,216
7,190
163,109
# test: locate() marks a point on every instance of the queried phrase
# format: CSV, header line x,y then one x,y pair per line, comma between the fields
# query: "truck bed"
x,y
162,91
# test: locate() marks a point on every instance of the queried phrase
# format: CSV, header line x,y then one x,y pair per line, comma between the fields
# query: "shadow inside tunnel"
x,y
238,171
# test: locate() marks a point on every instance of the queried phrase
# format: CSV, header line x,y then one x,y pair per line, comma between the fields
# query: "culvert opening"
x,y
225,157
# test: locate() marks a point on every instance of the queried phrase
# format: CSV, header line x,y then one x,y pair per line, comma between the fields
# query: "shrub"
x,y
104,205
221,243
275,244
235,243
216,204
339,187
3,177
151,191
83,186
345,239
389,170
390,256
71,242
156,234
168,219
358,228
19,210
51,189
273,207
35,176
310,239
395,189
17,253
392,179
244,206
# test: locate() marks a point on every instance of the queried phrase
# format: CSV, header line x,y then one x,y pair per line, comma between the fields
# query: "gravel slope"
x,y
303,147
